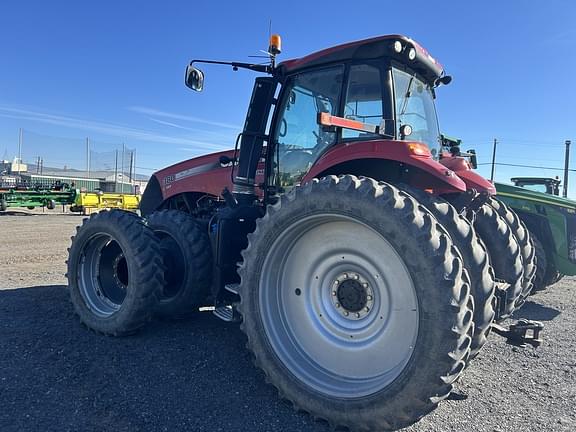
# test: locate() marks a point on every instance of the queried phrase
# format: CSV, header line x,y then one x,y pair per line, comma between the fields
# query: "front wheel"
x,y
505,257
355,303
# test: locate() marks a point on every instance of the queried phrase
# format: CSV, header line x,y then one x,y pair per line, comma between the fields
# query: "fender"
x,y
202,175
419,170
472,179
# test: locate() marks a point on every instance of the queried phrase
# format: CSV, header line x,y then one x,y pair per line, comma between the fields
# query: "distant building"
x,y
47,177
14,167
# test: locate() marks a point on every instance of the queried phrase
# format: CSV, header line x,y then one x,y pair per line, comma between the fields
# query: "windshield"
x,y
415,107
536,187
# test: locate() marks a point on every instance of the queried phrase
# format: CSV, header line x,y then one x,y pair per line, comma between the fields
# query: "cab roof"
x,y
366,49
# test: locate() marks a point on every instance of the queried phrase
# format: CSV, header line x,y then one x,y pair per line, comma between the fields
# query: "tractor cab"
x,y
364,101
538,184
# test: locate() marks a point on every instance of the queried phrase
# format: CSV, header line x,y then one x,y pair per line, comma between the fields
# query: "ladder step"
x,y
227,313
233,288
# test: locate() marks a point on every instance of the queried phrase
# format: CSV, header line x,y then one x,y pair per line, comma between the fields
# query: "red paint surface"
x,y
431,174
302,62
472,179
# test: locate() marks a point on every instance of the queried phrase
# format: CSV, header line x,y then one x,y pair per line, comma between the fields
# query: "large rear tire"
x,y
115,272
527,250
187,257
355,304
475,258
505,257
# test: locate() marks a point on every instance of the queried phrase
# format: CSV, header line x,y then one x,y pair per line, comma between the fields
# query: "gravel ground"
x,y
195,375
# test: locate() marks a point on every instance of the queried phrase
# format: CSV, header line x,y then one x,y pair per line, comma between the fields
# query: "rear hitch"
x,y
521,333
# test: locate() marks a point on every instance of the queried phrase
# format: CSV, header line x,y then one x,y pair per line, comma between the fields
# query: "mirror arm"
x,y
235,65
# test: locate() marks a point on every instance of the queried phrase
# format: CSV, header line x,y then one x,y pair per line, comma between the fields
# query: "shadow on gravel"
x,y
535,311
15,213
196,375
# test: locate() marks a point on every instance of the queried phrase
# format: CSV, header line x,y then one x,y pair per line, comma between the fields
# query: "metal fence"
x,y
87,160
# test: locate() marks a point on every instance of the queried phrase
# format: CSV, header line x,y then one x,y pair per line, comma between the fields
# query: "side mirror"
x,y
194,78
473,160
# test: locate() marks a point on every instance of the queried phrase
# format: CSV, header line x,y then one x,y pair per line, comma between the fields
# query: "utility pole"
x,y
87,157
122,168
131,166
566,164
116,172
19,151
38,165
493,160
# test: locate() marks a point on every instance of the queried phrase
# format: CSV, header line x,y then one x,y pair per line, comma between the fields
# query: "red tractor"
x,y
346,250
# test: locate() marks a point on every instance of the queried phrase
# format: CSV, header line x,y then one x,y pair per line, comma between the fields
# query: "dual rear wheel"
x,y
123,269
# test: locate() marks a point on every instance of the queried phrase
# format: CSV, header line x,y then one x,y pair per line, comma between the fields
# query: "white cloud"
x,y
105,128
175,116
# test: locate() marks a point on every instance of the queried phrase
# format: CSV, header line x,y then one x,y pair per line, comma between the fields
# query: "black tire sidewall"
x,y
194,243
138,305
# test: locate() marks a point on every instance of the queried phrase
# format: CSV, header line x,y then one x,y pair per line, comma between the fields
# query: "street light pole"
x,y
493,160
566,165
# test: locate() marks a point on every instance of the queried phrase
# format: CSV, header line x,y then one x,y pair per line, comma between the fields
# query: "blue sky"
x,y
113,71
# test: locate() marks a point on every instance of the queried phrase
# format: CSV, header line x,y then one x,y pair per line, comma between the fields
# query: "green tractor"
x,y
551,221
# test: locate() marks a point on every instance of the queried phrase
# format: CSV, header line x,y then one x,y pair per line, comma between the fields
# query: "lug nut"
x,y
346,313
333,293
336,282
365,285
367,309
345,275
357,315
337,305
369,297
356,276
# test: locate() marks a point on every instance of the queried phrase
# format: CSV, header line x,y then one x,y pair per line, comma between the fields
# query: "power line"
x,y
526,166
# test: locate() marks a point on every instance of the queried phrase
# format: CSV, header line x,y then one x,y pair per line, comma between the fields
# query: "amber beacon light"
x,y
275,47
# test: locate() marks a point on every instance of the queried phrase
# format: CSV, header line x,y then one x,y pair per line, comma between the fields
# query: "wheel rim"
x,y
103,275
345,343
173,257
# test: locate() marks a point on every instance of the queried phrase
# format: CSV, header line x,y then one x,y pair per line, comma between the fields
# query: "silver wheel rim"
x,y
103,275
337,354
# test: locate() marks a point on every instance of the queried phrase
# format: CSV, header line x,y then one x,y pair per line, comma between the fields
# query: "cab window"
x,y
363,99
299,139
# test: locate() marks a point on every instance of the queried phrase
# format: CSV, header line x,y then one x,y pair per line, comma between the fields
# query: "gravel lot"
x,y
196,375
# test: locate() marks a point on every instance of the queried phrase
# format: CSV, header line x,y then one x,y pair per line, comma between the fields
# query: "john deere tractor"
x,y
363,271
552,224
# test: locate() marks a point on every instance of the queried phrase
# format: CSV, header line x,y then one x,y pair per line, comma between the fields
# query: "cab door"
x,y
298,138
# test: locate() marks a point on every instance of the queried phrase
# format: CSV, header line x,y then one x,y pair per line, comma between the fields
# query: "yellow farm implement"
x,y
104,200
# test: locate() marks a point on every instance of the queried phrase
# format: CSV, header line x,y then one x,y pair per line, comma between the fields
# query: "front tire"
x,y
115,272
527,250
476,261
355,304
505,257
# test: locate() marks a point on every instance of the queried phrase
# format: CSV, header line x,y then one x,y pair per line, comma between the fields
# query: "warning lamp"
x,y
419,149
398,46
412,53
275,47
